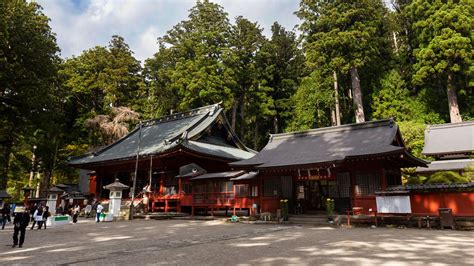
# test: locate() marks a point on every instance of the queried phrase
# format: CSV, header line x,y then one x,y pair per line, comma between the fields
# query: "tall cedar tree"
x,y
443,47
28,65
344,36
245,41
196,47
282,63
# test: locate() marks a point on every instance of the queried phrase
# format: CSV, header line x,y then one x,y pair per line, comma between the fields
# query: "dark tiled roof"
x,y
4,195
329,145
166,134
453,186
446,165
456,138
229,174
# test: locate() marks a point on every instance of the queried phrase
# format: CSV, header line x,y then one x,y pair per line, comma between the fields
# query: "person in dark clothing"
x,y
5,214
21,221
46,214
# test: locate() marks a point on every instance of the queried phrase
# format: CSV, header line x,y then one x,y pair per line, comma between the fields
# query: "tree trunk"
x,y
336,100
453,102
333,117
242,118
275,124
234,114
7,149
45,183
357,94
255,137
395,42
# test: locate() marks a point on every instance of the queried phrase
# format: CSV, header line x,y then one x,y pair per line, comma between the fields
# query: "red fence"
x,y
462,203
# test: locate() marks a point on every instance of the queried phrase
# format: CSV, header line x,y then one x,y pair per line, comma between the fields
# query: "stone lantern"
x,y
52,200
115,196
3,195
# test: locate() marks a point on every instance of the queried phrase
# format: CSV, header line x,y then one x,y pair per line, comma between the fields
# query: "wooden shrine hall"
x,y
347,163
172,151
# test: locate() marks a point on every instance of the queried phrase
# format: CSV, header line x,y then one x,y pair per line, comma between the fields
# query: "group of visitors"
x,y
40,215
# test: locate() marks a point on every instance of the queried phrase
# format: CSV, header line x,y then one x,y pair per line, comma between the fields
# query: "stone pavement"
x,y
217,243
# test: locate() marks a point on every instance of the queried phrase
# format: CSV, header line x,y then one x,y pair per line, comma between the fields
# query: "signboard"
x,y
393,204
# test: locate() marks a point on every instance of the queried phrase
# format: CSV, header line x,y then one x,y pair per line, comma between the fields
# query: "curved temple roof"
x,y
181,130
331,145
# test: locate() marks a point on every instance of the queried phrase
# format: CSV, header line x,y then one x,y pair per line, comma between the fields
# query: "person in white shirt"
x,y
99,209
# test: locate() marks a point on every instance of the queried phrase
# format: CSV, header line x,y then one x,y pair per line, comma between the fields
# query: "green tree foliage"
x,y
195,49
443,47
245,40
28,63
392,98
344,36
312,100
281,62
446,177
99,79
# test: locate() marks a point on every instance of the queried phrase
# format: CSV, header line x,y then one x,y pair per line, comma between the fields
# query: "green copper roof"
x,y
169,133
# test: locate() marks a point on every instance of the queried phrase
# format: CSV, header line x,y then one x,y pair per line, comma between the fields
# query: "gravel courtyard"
x,y
217,243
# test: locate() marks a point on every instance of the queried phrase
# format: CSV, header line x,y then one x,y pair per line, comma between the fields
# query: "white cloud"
x,y
81,24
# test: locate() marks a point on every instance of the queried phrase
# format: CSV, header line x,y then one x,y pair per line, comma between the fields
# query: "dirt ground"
x,y
217,243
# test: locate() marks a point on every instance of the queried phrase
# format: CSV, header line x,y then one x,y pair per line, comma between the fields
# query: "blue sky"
x,y
82,24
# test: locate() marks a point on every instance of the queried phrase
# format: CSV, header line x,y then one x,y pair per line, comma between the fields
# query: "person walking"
x,y
46,214
76,211
5,214
38,217
20,222
99,210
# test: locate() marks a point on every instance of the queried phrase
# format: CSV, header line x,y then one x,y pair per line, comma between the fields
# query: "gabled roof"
x,y
171,133
331,145
446,165
455,138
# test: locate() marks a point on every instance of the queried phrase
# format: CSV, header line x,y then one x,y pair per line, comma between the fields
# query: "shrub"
x,y
446,177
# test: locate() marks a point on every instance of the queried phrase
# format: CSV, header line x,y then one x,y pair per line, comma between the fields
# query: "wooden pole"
x,y
130,216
